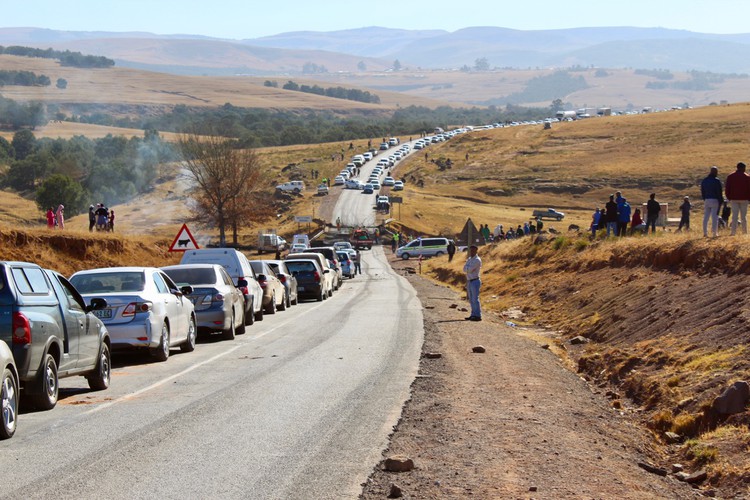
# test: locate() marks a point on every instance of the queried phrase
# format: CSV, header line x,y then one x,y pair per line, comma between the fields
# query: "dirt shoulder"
x,y
511,422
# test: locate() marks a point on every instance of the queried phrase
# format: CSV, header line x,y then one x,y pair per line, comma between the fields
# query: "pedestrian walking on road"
x,y
738,193
473,283
712,195
357,262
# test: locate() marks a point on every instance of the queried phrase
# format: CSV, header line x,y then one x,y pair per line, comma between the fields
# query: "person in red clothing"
x,y
51,218
637,224
737,190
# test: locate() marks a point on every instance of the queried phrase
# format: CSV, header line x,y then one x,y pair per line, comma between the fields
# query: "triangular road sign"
x,y
183,241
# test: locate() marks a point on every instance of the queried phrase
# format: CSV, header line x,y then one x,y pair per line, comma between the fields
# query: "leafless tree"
x,y
228,182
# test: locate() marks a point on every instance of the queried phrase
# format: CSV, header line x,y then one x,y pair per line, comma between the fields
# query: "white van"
x,y
423,247
238,267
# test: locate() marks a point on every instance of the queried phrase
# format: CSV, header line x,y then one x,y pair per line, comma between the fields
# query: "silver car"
x,y
219,305
8,392
145,309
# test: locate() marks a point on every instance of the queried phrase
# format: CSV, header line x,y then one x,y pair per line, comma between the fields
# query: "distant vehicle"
x,y
145,308
270,242
368,189
219,305
9,392
342,245
423,247
338,180
384,146
361,239
550,213
393,141
274,293
347,265
310,278
323,188
51,332
293,186
389,181
354,184
398,186
358,160
287,279
298,248
566,115
301,239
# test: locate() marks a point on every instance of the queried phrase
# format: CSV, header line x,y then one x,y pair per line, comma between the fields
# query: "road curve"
x,y
300,406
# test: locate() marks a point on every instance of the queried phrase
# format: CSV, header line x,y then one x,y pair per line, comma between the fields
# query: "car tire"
x,y
330,292
241,329
161,352
229,333
250,315
405,256
296,299
258,315
438,254
321,296
282,306
47,385
271,308
9,398
100,378
192,335
288,300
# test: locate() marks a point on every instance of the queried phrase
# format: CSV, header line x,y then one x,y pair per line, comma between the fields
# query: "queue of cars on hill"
x,y
52,327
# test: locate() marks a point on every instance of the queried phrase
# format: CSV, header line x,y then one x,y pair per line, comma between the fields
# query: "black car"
x,y
309,278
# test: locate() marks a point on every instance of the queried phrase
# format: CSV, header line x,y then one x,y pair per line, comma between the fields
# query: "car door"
x,y
75,324
89,341
235,295
172,305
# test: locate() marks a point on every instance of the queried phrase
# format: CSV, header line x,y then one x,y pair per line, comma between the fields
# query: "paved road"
x,y
298,407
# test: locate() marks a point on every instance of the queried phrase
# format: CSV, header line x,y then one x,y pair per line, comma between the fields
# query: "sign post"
x,y
184,241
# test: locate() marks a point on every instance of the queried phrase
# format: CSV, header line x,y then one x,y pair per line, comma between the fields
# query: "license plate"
x,y
300,288
103,313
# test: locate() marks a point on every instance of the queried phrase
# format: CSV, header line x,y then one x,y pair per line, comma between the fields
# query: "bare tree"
x,y
227,182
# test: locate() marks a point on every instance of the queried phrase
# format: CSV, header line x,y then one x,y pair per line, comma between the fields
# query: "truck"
x,y
549,213
293,186
270,242
566,115
51,331
361,239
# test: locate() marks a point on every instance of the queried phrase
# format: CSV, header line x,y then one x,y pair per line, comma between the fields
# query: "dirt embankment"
x,y
664,321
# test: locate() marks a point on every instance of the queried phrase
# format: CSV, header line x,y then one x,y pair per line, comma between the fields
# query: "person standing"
x,y
685,214
92,218
595,222
653,208
451,250
51,218
610,215
712,195
472,268
738,193
637,224
60,216
623,217
357,262
111,227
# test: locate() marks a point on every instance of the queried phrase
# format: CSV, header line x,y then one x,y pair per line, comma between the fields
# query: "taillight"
x,y
262,283
282,278
316,275
136,307
244,289
218,297
21,329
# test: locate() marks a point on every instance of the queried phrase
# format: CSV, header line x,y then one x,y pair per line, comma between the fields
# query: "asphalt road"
x,y
300,406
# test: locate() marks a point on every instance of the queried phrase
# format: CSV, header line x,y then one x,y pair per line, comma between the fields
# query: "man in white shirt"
x,y
473,283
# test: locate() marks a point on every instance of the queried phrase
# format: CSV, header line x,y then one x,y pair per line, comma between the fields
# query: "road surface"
x,y
300,406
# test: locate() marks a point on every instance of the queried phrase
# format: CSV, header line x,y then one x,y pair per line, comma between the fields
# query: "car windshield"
x,y
192,276
297,266
112,282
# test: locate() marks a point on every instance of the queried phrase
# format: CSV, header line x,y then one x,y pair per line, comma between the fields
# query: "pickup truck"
x,y
361,239
51,331
550,213
293,186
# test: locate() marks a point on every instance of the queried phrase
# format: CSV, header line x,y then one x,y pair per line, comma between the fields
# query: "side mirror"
x,y
295,273
241,283
186,290
326,271
95,304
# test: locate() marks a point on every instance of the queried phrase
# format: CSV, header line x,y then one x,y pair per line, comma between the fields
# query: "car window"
x,y
300,266
30,280
75,301
192,276
257,267
159,282
108,282
171,285
225,277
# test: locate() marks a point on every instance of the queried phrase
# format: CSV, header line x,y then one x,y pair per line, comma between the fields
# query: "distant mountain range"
x,y
377,48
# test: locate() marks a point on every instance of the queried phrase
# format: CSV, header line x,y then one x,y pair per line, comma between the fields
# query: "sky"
x,y
240,19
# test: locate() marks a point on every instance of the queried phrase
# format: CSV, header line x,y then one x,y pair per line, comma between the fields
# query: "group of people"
x,y
721,202
56,218
101,217
618,219
500,234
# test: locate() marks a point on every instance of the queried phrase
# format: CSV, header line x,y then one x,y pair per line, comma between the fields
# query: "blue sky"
x,y
237,19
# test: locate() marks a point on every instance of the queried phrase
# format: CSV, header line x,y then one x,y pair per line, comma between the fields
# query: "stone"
x,y
579,340
681,476
733,400
478,349
617,404
399,463
696,477
677,468
533,488
395,491
672,437
429,307
612,395
544,346
453,306
463,309
433,355
652,469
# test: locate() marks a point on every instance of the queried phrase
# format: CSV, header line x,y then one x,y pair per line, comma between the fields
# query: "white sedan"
x,y
354,184
398,186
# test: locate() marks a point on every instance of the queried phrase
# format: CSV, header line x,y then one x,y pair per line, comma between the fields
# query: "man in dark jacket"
x,y
610,215
652,213
738,194
712,195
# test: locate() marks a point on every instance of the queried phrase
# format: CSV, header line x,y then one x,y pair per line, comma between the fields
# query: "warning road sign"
x,y
183,241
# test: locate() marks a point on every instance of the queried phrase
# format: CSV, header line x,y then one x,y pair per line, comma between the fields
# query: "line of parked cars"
x,y
52,327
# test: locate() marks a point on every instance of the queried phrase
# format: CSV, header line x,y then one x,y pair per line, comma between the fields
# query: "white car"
x,y
338,180
398,186
293,186
298,248
375,184
354,184
389,181
323,189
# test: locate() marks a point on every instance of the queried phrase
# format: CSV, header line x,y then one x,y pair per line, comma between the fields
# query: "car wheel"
x,y
438,254
228,334
405,256
282,306
296,299
330,292
249,314
46,399
271,308
99,379
9,399
259,315
161,352
288,300
241,328
189,344
321,296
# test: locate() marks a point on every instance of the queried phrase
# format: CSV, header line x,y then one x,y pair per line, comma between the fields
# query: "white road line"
x,y
153,386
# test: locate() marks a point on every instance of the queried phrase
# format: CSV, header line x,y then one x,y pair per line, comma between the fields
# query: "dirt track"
x,y
512,422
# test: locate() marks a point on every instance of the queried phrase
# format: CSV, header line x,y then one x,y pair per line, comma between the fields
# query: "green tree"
x,y
24,143
62,83
396,65
482,64
361,66
24,174
557,105
61,189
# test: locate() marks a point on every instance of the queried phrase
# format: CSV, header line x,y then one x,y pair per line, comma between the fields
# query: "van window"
x,y
30,280
413,244
432,242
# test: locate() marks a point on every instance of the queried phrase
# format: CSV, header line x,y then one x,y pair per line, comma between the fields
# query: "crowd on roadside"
x,y
100,217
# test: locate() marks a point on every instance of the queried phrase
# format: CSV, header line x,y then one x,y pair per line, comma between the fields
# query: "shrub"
x,y
700,453
686,424
561,243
